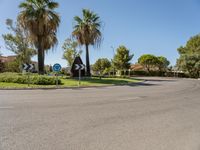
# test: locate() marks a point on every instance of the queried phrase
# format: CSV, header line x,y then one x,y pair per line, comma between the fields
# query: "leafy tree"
x,y
87,32
190,63
163,63
40,21
13,66
189,60
70,51
2,66
101,65
50,68
18,43
192,46
122,58
148,61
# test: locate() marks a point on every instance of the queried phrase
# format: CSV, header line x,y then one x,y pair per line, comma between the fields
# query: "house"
x,y
137,67
6,59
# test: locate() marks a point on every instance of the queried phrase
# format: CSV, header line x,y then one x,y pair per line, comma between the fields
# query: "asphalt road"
x,y
160,114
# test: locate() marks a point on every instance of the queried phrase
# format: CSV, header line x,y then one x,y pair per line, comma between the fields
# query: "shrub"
x,y
23,79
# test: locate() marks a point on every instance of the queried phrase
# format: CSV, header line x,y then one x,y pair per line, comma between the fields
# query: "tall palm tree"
x,y
87,32
40,22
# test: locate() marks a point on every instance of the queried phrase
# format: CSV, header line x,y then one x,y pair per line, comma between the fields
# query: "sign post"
x,y
56,68
28,68
79,67
28,78
79,83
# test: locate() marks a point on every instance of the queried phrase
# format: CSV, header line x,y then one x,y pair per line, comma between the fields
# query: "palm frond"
x,y
87,29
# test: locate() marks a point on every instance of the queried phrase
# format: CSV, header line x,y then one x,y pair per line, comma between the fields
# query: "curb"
x,y
53,88
60,88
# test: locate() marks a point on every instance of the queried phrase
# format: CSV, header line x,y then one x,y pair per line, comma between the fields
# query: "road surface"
x,y
160,114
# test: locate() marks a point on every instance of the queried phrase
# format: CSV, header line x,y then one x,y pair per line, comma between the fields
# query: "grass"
x,y
5,85
68,82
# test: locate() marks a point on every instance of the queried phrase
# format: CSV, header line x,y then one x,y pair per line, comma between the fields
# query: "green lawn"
x,y
68,82
4,85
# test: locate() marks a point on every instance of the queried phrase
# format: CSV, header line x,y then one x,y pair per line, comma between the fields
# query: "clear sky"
x,y
156,27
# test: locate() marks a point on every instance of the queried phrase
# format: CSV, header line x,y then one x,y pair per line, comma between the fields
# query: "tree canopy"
x,y
2,66
101,65
18,43
122,58
71,51
189,60
163,63
192,46
148,61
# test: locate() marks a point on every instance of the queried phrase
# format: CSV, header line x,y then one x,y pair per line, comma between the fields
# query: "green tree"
x,y
40,21
1,63
192,46
13,66
148,61
122,58
101,65
87,32
163,63
190,63
2,66
18,43
189,60
70,51
50,68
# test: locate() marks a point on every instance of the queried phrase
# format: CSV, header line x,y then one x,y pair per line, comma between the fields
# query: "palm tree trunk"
x,y
87,61
40,58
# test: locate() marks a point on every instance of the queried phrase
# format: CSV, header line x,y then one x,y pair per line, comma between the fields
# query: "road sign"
x,y
28,67
57,67
79,66
76,66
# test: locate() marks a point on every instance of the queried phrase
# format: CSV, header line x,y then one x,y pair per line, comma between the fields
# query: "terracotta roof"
x,y
8,58
136,67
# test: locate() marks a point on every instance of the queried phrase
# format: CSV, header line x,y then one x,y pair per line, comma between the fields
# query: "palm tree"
x,y
87,32
40,22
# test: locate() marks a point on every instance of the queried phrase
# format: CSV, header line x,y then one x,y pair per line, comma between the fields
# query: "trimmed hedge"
x,y
151,73
23,79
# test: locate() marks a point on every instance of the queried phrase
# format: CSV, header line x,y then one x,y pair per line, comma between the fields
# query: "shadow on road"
x,y
156,80
144,84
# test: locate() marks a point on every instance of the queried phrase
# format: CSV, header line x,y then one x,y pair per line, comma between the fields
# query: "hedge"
x,y
33,79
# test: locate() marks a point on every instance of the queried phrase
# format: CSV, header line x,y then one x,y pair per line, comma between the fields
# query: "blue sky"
x,y
156,27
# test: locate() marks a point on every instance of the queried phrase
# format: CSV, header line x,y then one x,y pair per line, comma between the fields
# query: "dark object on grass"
x,y
74,72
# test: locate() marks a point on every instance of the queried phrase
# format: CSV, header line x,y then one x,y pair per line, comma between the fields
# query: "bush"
x,y
12,67
23,79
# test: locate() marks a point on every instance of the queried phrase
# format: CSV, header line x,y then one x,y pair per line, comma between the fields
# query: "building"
x,y
137,67
6,59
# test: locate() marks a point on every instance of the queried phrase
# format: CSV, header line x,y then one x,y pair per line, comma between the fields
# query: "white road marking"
x,y
6,107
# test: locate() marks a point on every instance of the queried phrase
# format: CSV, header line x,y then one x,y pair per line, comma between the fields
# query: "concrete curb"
x,y
81,87
53,88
